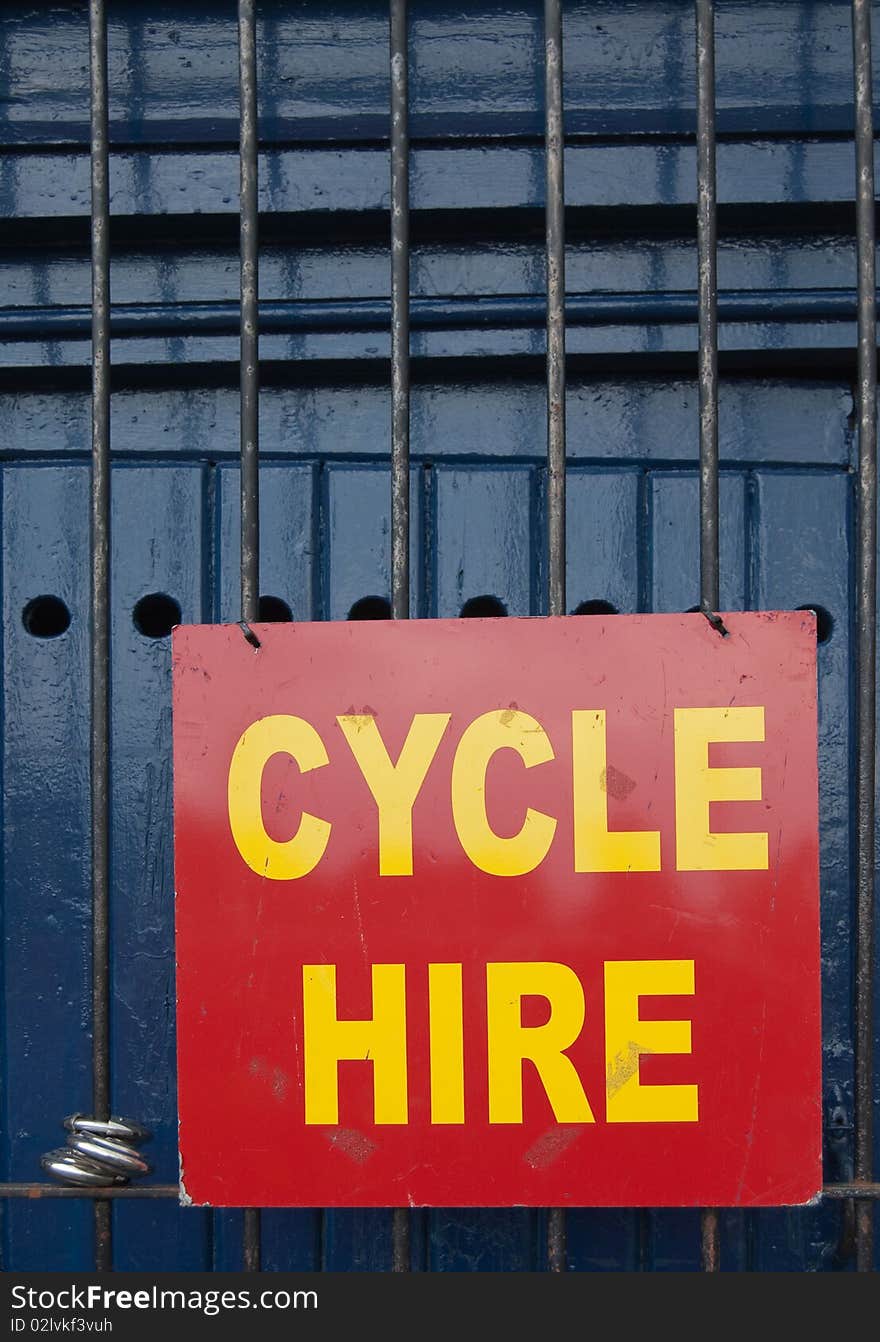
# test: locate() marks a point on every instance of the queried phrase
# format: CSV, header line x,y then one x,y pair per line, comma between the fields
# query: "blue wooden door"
x,y
477,488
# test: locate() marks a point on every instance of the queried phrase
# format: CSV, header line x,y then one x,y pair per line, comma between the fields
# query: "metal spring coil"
x,y
100,1153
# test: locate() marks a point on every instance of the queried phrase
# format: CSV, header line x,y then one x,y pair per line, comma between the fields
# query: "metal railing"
x,y
707,378
250,387
866,622
100,547
862,1192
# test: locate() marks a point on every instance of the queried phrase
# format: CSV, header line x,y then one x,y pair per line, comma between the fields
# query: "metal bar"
x,y
555,245
857,1190
556,1239
710,1247
39,1191
400,400
288,315
866,618
250,391
554,146
249,287
400,373
100,593
401,1236
707,295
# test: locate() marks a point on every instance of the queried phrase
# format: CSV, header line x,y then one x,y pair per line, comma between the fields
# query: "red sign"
x,y
498,912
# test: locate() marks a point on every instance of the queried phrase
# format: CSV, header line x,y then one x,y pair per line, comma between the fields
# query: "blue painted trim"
x,y
475,69
371,130
320,181
619,421
497,313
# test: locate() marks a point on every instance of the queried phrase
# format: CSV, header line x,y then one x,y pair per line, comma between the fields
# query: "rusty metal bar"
x,y
707,294
100,592
866,622
249,290
400,373
554,146
556,1239
710,1247
555,247
856,1191
400,400
37,1192
250,389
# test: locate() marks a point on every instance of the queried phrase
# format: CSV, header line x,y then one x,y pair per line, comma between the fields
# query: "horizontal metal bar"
x,y
858,1191
37,1191
282,316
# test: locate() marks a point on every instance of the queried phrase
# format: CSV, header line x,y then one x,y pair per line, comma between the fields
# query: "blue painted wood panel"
x,y
800,522
673,502
46,883
313,182
486,538
355,525
787,280
288,539
611,419
478,528
782,65
161,546
605,514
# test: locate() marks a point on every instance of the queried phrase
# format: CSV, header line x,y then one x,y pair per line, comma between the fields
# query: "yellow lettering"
x,y
277,735
381,1041
696,785
510,1043
595,849
511,729
627,1038
394,786
447,1043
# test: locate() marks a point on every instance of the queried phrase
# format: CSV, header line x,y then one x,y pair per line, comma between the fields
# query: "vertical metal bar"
x,y
100,593
707,242
556,1239
400,401
707,290
399,311
710,1240
866,616
554,145
250,391
400,1240
555,244
249,264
